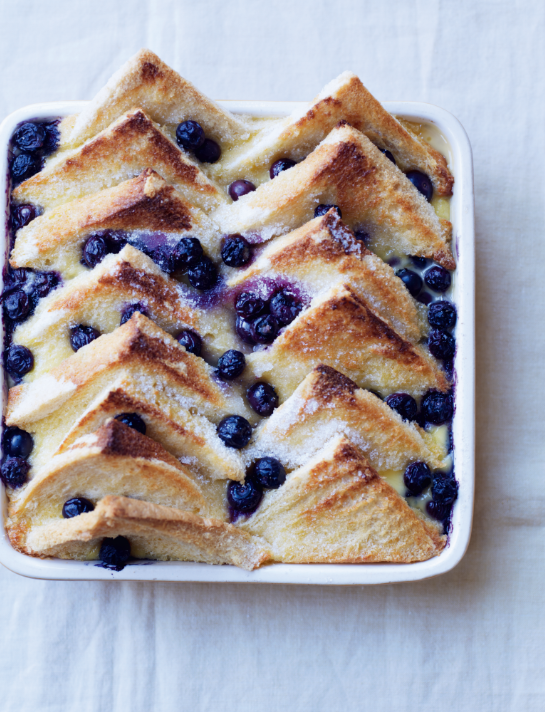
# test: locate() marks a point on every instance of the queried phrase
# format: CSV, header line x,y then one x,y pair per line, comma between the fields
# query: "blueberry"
x,y
284,306
244,496
190,135
421,182
131,309
203,275
404,404
442,315
29,137
21,215
81,335
362,236
416,478
132,420
188,252
265,329
238,188
19,361
52,137
24,166
441,344
269,473
166,258
95,249
388,155
282,164
263,399
116,241
235,431
438,510
191,341
17,443
437,408
231,364
249,305
323,209
208,152
44,283
76,506
424,298
115,553
14,472
244,330
444,488
17,305
411,280
437,278
235,251
419,261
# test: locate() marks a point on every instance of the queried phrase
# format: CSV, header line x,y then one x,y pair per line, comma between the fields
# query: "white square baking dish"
x,y
455,144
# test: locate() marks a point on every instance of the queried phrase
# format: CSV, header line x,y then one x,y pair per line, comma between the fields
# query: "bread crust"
x,y
146,203
336,509
119,152
155,532
146,81
346,170
345,98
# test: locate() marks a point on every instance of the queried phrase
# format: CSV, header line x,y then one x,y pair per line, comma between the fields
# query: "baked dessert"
x,y
228,339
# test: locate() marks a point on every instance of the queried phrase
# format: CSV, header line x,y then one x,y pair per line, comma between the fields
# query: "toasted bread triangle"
x,y
97,298
336,509
324,251
167,98
139,347
146,204
327,404
341,330
119,152
347,170
115,460
345,98
155,532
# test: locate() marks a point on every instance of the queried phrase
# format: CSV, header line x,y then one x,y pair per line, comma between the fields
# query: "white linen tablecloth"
x,y
469,640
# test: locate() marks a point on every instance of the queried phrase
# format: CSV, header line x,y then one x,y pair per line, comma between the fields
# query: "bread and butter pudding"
x,y
228,338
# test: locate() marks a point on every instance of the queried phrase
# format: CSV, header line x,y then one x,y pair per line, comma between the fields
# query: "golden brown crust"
x,y
156,531
146,203
345,98
324,251
336,509
121,151
341,330
328,403
146,81
347,170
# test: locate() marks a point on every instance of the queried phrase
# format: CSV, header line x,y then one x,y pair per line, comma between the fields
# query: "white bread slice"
x,y
325,251
97,298
167,98
137,347
145,204
154,531
341,330
119,152
347,170
115,460
327,404
344,98
337,510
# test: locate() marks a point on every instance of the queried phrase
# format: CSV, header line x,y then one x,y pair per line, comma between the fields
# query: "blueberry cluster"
x,y
444,488
31,143
436,408
190,135
436,278
258,321
245,497
442,317
99,244
17,446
